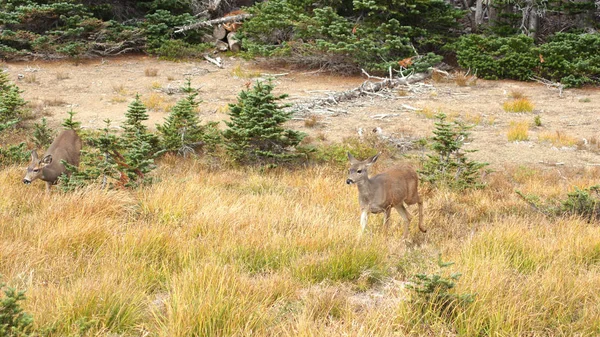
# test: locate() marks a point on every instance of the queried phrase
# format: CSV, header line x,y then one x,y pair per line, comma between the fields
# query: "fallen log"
x,y
225,19
221,45
364,89
219,32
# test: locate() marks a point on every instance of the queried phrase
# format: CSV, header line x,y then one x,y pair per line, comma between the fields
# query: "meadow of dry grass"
x,y
237,252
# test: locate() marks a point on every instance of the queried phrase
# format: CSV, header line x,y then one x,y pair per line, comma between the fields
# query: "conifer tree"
x,y
182,131
449,164
255,133
69,123
11,103
42,134
138,144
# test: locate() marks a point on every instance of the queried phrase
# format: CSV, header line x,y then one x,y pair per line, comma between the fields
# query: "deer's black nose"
x,y
349,181
27,182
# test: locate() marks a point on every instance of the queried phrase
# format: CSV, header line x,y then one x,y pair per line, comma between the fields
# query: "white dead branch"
x,y
218,62
367,88
208,23
550,84
382,116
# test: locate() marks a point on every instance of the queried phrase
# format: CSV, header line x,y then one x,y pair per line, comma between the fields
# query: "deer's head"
x,y
358,169
34,170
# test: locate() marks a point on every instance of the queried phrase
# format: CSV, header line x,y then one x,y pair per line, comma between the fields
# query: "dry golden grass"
x,y
518,131
312,121
518,105
557,138
516,94
463,79
238,72
151,72
54,101
156,102
62,76
119,89
30,78
240,252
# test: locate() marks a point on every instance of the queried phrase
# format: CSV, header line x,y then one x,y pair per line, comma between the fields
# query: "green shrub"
x,y
449,165
581,202
495,57
14,322
433,293
324,36
570,59
255,133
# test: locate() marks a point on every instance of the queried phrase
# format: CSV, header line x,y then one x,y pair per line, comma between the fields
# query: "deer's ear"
x,y
373,159
351,158
47,160
34,155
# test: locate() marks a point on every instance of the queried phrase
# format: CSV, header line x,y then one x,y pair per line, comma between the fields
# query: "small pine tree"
x,y
138,144
14,322
255,133
182,131
42,134
69,123
11,103
449,165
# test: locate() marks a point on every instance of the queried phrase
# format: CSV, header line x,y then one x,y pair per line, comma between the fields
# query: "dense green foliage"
x,y
387,32
43,135
75,28
571,59
434,293
14,322
255,134
182,132
449,165
12,107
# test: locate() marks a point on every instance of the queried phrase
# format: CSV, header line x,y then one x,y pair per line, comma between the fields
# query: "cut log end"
x,y
234,44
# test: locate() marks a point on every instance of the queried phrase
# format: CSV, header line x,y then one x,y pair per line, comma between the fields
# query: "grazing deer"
x,y
392,188
67,147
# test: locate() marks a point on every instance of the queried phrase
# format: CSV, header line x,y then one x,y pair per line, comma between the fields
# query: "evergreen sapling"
x,y
255,133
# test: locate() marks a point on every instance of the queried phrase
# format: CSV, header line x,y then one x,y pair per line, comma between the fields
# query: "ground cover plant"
x,y
204,252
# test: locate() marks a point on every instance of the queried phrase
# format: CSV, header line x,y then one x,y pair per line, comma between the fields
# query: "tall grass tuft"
x,y
518,131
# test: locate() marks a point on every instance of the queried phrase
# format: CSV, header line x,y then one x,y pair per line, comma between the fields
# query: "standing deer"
x,y
67,147
392,188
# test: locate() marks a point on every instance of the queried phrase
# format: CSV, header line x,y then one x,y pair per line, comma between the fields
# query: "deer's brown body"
x,y
67,147
391,189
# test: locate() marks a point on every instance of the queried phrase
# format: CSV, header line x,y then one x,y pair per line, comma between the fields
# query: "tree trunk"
x,y
479,13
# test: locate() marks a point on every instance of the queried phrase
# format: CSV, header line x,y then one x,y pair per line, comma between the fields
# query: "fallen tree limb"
x,y
216,61
364,89
225,19
549,84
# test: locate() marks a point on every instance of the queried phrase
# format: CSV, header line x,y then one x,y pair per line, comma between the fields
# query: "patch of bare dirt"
x,y
100,89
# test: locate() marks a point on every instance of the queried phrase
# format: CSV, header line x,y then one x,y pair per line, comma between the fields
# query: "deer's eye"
x,y
36,170
359,171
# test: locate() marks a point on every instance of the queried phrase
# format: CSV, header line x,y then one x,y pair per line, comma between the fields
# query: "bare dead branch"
x,y
550,84
225,19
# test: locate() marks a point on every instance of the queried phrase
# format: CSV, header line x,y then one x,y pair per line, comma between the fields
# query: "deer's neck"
x,y
365,189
